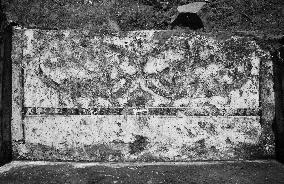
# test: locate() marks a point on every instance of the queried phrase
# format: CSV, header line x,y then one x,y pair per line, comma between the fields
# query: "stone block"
x,y
141,95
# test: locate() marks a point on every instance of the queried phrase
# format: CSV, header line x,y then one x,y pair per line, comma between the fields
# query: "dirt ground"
x,y
243,172
217,15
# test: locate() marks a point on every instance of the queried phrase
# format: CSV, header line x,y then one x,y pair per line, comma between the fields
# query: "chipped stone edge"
x,y
266,82
17,88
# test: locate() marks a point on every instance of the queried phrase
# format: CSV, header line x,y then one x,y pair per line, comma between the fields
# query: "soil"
x,y
195,173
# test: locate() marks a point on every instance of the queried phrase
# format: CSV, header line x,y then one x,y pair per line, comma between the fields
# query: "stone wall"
x,y
142,95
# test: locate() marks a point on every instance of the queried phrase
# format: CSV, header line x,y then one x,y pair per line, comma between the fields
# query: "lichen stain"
x,y
138,145
103,152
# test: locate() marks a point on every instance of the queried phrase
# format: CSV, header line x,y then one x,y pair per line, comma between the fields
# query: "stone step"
x,y
140,96
227,172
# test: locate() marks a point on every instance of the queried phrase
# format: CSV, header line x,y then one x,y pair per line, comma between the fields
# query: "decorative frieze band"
x,y
157,111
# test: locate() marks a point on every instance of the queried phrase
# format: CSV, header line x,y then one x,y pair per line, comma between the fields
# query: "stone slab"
x,y
72,82
120,138
150,68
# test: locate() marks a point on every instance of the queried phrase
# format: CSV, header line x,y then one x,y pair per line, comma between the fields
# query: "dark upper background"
x,y
103,15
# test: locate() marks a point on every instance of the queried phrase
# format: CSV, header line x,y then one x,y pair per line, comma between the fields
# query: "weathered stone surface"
x,y
117,138
17,87
267,98
68,69
144,95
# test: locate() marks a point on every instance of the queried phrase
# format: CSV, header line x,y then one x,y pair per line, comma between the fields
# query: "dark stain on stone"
x,y
138,145
229,126
247,151
211,128
248,66
140,101
59,36
139,43
119,132
103,152
138,98
241,92
84,43
202,124
201,142
214,149
208,93
83,122
114,48
228,141
189,132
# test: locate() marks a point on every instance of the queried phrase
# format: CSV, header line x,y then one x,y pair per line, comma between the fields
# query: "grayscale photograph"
x,y
141,91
